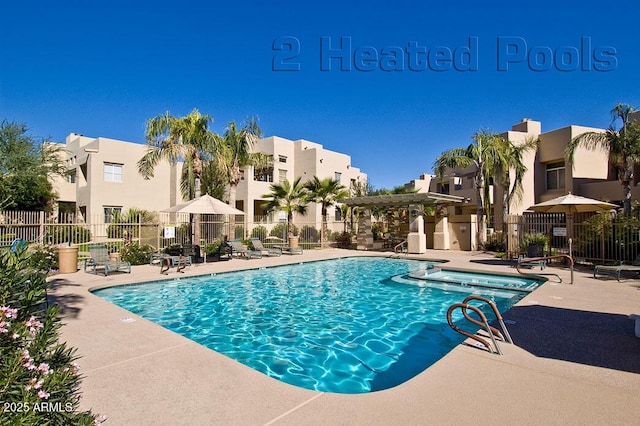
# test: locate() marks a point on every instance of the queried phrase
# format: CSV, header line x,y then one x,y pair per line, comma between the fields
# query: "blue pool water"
x,y
348,325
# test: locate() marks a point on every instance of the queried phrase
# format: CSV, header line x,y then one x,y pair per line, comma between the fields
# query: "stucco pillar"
x,y
441,239
365,234
417,240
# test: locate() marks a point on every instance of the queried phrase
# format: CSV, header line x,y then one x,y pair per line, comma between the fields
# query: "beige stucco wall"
x,y
94,193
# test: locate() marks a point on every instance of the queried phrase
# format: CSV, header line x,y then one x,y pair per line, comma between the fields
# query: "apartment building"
x,y
549,174
105,176
292,159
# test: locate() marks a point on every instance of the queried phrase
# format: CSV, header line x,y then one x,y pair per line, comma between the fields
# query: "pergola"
x,y
394,200
441,235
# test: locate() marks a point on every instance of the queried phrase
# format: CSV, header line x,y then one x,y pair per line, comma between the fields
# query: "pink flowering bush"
x,y
39,379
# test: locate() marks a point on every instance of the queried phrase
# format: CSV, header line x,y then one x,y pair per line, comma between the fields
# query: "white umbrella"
x,y
572,204
206,204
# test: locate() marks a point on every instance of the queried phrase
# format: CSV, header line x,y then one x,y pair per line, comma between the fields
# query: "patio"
x,y
577,361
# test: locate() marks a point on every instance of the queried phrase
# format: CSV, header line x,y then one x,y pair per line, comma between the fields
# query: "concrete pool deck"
x,y
575,360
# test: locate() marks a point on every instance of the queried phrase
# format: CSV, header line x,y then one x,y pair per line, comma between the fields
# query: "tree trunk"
x,y
323,229
481,233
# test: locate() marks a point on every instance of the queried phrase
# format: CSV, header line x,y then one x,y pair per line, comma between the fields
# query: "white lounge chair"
x,y
100,259
266,251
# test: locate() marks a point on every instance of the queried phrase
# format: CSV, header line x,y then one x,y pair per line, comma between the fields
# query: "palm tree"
x,y
236,153
622,143
173,139
502,157
179,138
474,155
289,198
326,192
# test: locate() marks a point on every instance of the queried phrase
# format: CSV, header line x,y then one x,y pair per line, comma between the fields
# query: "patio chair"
x,y
268,251
292,250
617,270
100,259
239,251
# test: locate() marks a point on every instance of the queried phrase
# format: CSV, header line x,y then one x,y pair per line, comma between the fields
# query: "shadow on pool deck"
x,y
69,303
590,338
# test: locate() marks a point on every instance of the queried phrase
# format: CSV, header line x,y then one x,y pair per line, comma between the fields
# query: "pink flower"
x,y
44,368
33,324
7,312
43,395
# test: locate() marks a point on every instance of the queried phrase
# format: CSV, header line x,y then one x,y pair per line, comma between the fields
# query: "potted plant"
x,y
534,244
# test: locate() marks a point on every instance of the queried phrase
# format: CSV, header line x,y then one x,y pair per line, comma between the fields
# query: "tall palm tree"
x,y
173,139
325,192
622,144
474,155
503,157
235,153
289,198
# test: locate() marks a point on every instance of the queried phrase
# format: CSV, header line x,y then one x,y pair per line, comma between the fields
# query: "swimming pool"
x,y
343,325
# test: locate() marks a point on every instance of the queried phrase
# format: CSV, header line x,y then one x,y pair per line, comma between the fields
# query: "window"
x,y
555,175
263,175
338,176
338,214
442,188
282,176
282,158
112,172
110,213
71,176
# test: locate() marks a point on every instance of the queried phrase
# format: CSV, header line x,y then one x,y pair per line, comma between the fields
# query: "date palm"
x,y
502,157
474,155
175,139
622,143
325,192
289,198
235,153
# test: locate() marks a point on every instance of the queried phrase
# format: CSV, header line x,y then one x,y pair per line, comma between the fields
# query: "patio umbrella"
x,y
572,204
205,204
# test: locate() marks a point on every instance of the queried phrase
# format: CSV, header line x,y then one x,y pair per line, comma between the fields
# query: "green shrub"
x,y
259,232
238,231
136,254
496,242
309,234
44,257
344,240
211,249
36,369
75,234
534,238
280,231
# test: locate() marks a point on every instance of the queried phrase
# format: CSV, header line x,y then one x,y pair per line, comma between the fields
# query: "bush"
x,y
74,234
309,234
211,249
136,254
36,368
259,232
534,238
44,257
344,240
280,231
238,231
496,242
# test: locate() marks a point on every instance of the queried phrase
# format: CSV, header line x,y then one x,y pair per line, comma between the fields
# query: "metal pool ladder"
x,y
494,333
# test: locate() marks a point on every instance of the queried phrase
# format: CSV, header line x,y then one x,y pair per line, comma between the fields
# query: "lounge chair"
x,y
270,251
617,270
292,250
239,251
100,259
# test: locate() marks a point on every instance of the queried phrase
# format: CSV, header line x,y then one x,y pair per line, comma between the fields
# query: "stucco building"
x,y
104,177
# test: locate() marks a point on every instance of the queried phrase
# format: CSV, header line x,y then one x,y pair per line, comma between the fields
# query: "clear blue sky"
x,y
103,68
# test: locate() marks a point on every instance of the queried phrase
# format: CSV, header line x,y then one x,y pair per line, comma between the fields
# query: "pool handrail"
x,y
504,334
545,258
484,325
